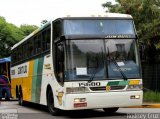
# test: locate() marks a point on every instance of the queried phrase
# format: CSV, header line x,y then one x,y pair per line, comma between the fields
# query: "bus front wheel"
x,y
50,103
111,110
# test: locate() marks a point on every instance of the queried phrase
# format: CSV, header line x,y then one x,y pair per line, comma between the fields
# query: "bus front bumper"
x,y
103,100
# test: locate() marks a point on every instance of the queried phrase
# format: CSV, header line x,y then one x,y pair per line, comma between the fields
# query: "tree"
x,y
9,35
146,14
27,29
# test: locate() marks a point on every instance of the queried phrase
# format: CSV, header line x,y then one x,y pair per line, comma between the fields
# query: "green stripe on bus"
x,y
117,83
34,79
39,79
112,83
123,83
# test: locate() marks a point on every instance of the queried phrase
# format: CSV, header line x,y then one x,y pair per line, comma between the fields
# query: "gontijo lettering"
x,y
22,69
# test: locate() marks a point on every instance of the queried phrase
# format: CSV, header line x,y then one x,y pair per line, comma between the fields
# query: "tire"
x,y
17,95
50,103
20,98
111,110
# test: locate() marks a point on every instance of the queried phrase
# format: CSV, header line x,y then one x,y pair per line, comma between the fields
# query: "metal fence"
x,y
151,77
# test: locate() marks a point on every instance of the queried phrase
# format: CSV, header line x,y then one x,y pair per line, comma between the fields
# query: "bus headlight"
x,y
135,87
71,90
77,100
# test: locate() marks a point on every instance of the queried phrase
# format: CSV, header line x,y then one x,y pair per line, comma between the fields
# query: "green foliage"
x,y
146,14
151,96
11,34
27,29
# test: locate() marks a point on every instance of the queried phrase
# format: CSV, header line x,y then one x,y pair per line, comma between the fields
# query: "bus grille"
x,y
103,88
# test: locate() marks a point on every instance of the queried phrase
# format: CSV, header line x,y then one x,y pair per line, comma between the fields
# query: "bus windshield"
x,y
98,27
98,57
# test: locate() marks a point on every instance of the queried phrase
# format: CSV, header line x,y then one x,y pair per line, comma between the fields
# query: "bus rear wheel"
x,y
111,110
20,98
50,103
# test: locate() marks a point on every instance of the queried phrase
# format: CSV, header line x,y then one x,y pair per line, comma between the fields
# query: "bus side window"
x,y
22,56
13,57
37,44
30,48
46,38
20,53
25,49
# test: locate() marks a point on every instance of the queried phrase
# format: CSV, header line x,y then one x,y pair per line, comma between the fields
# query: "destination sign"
x,y
20,70
119,36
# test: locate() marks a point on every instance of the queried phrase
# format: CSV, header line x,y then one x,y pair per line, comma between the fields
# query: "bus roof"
x,y
106,15
3,60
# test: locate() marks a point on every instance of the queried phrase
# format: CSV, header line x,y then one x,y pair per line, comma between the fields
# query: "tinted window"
x,y
30,48
98,27
37,44
46,39
57,29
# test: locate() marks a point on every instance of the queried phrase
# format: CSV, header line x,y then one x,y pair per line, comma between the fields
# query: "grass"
x,y
151,96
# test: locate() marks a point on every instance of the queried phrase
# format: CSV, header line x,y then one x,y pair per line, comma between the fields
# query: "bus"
x,y
79,62
5,80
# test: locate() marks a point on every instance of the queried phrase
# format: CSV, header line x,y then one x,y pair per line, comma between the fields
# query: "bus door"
x,y
60,62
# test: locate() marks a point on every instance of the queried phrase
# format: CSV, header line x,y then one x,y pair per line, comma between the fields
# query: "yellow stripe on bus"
x,y
134,82
28,82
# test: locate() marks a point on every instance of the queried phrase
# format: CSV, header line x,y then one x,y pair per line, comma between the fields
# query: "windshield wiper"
x,y
93,75
96,68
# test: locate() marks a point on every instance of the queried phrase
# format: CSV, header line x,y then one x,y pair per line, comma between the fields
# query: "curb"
x,y
146,106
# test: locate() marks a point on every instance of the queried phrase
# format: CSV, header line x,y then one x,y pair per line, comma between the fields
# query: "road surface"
x,y
11,110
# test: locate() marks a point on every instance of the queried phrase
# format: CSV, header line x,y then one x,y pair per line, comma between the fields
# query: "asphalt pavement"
x,y
11,110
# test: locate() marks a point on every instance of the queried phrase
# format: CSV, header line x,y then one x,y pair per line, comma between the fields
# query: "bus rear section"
x,y
5,86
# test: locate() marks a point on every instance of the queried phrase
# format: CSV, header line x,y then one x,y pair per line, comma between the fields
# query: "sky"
x,y
34,11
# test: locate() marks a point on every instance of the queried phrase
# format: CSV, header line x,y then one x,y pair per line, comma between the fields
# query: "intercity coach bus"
x,y
75,63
